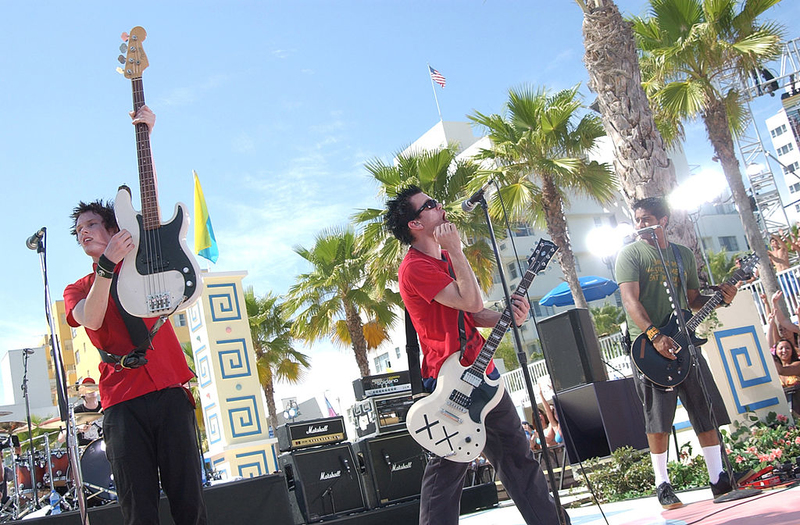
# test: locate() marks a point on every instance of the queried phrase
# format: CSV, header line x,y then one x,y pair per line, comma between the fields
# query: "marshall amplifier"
x,y
392,383
393,468
323,482
381,414
312,433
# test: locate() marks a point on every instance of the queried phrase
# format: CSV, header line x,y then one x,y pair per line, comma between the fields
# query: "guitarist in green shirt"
x,y
641,278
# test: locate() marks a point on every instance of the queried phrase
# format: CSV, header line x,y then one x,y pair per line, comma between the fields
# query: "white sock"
x,y
713,457
660,468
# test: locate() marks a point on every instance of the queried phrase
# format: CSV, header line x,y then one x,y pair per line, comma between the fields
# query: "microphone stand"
x,y
736,493
31,462
523,361
61,387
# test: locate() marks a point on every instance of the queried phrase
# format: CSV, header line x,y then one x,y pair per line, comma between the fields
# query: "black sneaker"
x,y
667,497
723,484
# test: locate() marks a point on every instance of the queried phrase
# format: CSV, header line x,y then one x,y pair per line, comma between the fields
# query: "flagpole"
x,y
435,97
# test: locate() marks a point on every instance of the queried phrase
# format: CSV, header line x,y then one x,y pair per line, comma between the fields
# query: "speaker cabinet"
x,y
598,419
571,349
323,482
393,468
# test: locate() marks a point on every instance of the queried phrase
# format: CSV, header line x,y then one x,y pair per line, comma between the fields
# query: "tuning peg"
x,y
120,71
121,59
124,36
123,48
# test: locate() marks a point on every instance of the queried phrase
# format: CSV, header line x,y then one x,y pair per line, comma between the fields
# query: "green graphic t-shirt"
x,y
639,262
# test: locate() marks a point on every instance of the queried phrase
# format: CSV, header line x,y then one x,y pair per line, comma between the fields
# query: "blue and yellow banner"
x,y
205,244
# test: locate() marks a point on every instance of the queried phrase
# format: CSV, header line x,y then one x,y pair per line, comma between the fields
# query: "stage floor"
x,y
771,507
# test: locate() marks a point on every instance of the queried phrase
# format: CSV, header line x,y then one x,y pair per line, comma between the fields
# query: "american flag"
x,y
437,77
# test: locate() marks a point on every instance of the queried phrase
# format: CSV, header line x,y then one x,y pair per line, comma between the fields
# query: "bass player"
x,y
149,422
641,278
436,283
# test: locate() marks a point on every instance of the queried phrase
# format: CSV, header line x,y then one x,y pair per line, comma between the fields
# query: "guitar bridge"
x,y
451,416
158,302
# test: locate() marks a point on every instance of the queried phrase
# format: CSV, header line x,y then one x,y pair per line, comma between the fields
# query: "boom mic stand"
x,y
61,385
523,361
736,493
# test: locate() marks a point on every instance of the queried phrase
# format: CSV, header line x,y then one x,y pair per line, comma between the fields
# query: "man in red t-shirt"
x,y
149,422
436,282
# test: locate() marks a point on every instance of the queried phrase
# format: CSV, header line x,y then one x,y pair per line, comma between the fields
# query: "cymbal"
x,y
11,427
82,418
79,389
52,424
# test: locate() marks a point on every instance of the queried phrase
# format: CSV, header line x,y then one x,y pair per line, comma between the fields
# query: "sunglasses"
x,y
430,204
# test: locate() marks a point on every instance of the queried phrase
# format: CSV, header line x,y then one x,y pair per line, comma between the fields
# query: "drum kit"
x,y
40,481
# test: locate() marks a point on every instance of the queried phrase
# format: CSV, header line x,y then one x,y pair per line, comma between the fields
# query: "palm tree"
x,y
640,154
439,174
688,48
337,300
540,153
276,358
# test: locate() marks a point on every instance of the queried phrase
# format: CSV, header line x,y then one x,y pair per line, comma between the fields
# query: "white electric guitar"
x,y
161,274
449,422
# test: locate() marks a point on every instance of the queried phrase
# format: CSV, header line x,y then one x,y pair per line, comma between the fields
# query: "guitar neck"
x,y
499,330
711,304
151,215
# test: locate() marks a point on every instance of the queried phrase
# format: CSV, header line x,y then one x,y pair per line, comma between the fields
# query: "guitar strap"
x,y
412,354
462,332
679,261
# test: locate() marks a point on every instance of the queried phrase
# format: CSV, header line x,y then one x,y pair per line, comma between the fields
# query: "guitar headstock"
x,y
541,256
135,61
747,265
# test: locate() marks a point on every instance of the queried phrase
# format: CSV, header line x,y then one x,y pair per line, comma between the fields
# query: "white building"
x,y
784,130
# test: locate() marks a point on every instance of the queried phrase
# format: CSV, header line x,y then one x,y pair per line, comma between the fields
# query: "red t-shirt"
x,y
421,278
166,364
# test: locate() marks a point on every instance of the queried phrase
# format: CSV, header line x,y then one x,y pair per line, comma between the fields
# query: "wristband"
x,y
105,268
652,332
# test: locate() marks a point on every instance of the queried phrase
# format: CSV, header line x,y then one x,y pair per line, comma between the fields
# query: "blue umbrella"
x,y
593,288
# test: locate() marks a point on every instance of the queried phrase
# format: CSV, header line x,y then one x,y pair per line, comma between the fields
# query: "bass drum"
x,y
97,478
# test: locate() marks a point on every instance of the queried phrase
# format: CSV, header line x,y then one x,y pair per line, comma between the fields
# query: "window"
x,y
780,130
783,150
397,351
792,168
598,221
180,320
729,243
382,363
794,187
522,230
512,270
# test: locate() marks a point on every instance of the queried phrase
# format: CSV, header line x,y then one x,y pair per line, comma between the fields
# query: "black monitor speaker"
x,y
571,349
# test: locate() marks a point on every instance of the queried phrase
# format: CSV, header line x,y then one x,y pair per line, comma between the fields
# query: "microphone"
x,y
33,240
648,230
29,351
469,204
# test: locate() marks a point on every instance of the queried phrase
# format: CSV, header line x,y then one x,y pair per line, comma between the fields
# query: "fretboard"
x,y
151,215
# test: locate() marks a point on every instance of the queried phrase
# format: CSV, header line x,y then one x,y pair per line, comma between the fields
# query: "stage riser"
x,y
253,501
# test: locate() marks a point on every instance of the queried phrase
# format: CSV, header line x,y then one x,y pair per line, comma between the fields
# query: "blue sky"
x,y
276,105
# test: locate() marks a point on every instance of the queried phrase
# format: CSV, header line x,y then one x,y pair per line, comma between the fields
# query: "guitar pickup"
x,y
460,400
471,378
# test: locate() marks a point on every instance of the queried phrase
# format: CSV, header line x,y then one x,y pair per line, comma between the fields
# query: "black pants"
x,y
150,435
509,452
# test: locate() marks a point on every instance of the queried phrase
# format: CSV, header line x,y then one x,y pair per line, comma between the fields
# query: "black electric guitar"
x,y
449,422
670,373
160,275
